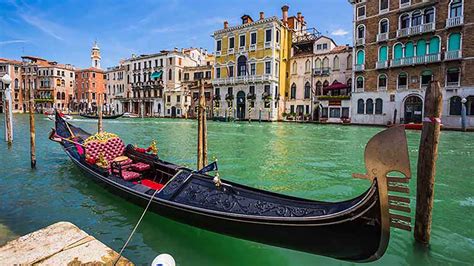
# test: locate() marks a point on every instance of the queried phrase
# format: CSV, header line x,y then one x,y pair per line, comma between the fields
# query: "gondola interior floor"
x,y
151,184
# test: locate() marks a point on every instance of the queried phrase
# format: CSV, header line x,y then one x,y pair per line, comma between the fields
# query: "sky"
x,y
64,30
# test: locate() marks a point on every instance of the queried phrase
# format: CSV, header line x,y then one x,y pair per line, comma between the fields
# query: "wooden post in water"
x,y
100,128
32,127
202,130
6,79
428,153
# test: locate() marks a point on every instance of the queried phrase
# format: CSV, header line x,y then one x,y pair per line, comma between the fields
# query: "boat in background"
x,y
63,116
130,115
103,116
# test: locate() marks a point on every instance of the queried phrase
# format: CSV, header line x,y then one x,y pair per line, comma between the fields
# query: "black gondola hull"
x,y
103,117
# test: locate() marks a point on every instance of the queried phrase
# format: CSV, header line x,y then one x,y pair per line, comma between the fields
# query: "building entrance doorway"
x,y
173,111
413,110
241,105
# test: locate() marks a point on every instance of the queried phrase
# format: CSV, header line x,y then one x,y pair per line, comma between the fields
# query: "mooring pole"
x,y
204,125
395,117
200,146
428,153
6,79
100,127
260,115
463,115
32,127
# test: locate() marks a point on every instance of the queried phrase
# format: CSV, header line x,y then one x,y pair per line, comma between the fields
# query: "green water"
x,y
310,161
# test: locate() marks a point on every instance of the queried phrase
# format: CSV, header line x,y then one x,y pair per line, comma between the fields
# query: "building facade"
x,y
13,69
117,88
402,45
192,76
251,67
320,79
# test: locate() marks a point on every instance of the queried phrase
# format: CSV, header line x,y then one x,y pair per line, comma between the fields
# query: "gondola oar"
x,y
53,136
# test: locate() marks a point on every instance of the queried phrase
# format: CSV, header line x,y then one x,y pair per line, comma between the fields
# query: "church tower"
x,y
95,56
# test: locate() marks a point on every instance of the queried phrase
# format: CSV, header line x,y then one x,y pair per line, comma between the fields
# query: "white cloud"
x,y
43,25
340,32
12,42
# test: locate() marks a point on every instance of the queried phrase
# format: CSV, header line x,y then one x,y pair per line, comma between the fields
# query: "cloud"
x,y
43,25
12,42
340,32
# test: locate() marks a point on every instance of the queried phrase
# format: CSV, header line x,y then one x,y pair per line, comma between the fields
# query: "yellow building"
x,y
251,67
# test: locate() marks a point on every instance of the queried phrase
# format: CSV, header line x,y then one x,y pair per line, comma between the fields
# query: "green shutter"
x,y
398,51
454,43
409,50
360,57
434,45
421,48
383,54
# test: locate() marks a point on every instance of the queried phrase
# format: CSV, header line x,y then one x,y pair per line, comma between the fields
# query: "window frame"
x,y
361,17
386,82
386,10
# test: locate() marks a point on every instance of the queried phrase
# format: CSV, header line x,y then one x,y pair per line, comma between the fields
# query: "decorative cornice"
x,y
258,22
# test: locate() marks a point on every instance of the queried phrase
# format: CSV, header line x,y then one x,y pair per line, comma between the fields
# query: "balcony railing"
x,y
381,64
453,55
359,67
322,71
242,49
268,45
360,41
243,79
218,53
253,47
382,37
454,22
415,60
230,51
419,29
404,5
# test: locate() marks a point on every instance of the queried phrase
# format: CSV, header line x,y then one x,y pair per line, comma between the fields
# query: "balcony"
x,y
243,79
230,51
218,53
253,47
453,55
325,71
405,5
334,97
454,22
381,37
359,67
241,49
415,60
268,45
360,41
419,29
381,64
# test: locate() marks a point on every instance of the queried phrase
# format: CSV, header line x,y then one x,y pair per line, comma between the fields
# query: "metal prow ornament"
x,y
387,152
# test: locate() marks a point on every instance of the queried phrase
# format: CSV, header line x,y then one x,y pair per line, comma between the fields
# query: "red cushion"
x,y
111,149
129,175
152,185
140,167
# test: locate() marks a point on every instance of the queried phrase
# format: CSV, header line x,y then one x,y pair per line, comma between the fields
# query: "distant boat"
x,y
64,116
354,230
103,116
130,115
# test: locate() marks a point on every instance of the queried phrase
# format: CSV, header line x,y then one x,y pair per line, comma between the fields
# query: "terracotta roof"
x,y
5,60
90,69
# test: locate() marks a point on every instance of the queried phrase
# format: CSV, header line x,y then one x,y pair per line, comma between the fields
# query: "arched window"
x,y
369,107
58,96
453,76
416,18
319,86
378,106
294,69
336,62
409,49
360,83
434,46
325,84
326,62
384,26
421,48
307,90
470,105
58,82
455,105
454,42
402,81
293,91
317,63
349,83
382,84
426,77
242,65
429,15
397,51
170,74
179,74
404,21
349,62
383,53
63,96
17,83
307,66
361,32
360,57
360,107
455,8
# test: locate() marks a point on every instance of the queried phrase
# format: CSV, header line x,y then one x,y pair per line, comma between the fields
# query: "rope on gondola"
x,y
135,228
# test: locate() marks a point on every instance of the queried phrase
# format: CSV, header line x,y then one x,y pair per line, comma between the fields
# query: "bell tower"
x,y
95,56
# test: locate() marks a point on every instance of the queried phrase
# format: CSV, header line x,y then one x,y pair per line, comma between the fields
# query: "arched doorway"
x,y
413,109
241,105
173,111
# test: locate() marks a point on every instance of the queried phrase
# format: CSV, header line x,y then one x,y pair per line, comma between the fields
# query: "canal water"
x,y
303,160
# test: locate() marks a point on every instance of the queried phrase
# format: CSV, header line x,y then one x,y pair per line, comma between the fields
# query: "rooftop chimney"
x,y
262,15
226,24
298,15
302,19
284,11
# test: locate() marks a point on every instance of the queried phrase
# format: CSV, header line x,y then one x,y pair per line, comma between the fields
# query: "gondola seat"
x,y
140,167
130,175
112,150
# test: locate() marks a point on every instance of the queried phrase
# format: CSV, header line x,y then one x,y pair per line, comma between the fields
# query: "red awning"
x,y
336,86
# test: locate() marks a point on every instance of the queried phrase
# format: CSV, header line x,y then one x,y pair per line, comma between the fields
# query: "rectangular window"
x,y
267,89
230,91
178,98
168,98
217,91
268,35
252,89
383,5
325,46
268,67
361,12
278,36
345,112
241,40
292,109
231,42
324,112
218,72
319,47
252,69
218,45
253,38
231,71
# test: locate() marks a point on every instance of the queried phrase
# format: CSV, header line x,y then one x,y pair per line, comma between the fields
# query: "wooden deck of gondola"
x,y
61,243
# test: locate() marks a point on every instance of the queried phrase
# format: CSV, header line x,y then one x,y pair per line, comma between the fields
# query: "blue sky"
x,y
64,30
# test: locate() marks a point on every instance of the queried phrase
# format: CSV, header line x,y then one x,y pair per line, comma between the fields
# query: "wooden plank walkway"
x,y
61,243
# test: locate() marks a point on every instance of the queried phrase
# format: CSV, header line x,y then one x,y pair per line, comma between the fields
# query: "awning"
x,y
156,74
336,86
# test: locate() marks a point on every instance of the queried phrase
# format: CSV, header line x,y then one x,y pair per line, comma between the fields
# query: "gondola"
x,y
103,117
355,230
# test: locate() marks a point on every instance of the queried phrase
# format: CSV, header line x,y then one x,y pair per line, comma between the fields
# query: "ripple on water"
x,y
468,202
